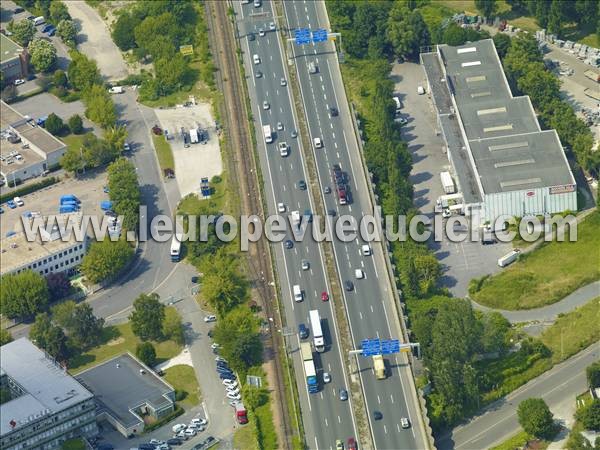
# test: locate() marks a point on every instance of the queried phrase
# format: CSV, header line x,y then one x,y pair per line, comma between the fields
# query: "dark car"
x,y
224,370
251,36
288,244
348,285
343,394
222,365
327,190
302,331
302,185
226,376
105,446
47,27
210,441
333,111
18,10
331,212
377,415
146,446
174,441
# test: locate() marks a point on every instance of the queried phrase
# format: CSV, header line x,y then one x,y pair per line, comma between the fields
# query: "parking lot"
x,y
89,189
462,261
197,160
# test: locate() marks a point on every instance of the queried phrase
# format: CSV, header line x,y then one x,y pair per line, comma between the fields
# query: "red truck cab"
x,y
241,414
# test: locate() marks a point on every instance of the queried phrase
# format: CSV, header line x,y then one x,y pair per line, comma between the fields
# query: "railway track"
x,y
243,170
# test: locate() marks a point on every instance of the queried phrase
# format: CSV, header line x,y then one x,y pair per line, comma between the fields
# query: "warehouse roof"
x,y
509,150
48,388
122,385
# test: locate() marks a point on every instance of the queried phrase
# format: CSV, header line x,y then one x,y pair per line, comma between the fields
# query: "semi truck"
x,y
315,323
309,368
268,134
176,248
447,182
509,258
379,367
193,135
241,415
296,219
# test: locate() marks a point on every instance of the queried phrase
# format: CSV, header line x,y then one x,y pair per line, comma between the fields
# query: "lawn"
x,y
574,331
244,438
73,141
163,152
183,379
518,441
73,444
120,339
547,274
218,201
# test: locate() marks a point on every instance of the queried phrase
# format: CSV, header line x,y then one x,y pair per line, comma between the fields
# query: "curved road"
x,y
549,313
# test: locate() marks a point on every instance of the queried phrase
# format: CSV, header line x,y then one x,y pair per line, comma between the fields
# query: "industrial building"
x,y
46,406
127,392
503,162
56,251
14,60
26,150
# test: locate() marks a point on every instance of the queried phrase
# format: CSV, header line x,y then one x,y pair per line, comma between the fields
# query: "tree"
x,y
67,31
535,418
254,397
105,259
83,72
171,73
592,373
59,79
62,314
5,337
54,124
454,35
407,31
100,107
223,286
502,43
123,32
42,55
59,285
49,337
146,353
147,317
486,7
85,328
124,191
172,327
23,294
556,17
159,45
495,332
589,415
237,334
76,124
59,11
23,32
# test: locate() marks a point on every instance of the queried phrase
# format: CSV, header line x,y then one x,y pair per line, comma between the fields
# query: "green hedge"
x,y
159,423
29,189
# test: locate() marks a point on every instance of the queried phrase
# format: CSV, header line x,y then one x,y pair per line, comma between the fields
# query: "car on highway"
x,y
404,423
348,285
302,185
339,445
352,444
333,111
251,36
343,393
377,415
266,105
331,212
359,274
365,250
279,126
257,3
302,331
19,81
256,59
294,134
281,207
210,318
326,377
272,26
283,82
305,264
318,143
327,190
324,296
261,32
288,244
258,74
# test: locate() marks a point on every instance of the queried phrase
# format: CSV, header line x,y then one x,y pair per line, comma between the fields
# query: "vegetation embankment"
x,y
163,152
546,275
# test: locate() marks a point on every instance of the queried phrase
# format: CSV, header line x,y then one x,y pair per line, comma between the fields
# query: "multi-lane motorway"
x,y
326,418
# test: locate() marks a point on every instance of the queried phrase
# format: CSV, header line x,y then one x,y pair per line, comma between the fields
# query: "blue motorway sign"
x,y
302,36
389,347
371,347
319,35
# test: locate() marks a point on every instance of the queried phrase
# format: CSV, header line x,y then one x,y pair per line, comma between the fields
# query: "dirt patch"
x,y
116,341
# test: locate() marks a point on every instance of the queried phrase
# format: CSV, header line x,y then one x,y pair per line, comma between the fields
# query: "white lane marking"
x,y
362,264
378,400
333,134
371,308
385,429
335,143
360,314
398,426
339,420
392,398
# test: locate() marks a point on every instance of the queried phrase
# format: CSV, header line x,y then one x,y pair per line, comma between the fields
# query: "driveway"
x,y
95,42
462,261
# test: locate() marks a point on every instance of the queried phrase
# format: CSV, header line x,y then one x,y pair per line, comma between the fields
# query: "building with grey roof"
x,y
503,162
46,406
14,59
127,392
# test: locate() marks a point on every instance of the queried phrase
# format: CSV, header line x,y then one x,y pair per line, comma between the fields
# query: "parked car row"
x,y
183,432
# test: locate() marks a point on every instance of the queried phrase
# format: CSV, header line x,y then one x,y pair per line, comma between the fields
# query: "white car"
x,y
210,318
232,396
220,358
179,427
366,250
359,274
199,421
266,105
318,142
404,422
19,201
230,383
281,207
190,432
261,32
233,391
279,126
283,82
272,26
305,264
19,81
326,377
215,346
156,441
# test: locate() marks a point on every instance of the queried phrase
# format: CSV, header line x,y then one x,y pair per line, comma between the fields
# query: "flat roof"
x,y
17,251
8,48
120,387
509,150
48,387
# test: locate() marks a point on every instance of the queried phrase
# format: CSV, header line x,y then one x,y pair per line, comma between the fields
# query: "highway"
x,y
499,420
326,418
369,304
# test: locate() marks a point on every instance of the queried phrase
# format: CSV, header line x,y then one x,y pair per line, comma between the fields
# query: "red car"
x,y
352,444
324,296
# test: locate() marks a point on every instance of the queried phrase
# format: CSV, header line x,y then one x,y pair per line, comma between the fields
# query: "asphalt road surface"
x,y
499,421
326,418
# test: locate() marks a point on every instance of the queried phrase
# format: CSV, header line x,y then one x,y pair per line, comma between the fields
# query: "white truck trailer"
x,y
509,258
447,182
315,324
268,133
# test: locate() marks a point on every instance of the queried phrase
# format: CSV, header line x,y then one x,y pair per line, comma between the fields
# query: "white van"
x,y
256,59
359,274
39,20
420,90
312,68
398,104
298,297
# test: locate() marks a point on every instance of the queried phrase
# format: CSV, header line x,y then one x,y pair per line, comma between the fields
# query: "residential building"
x,y
46,406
